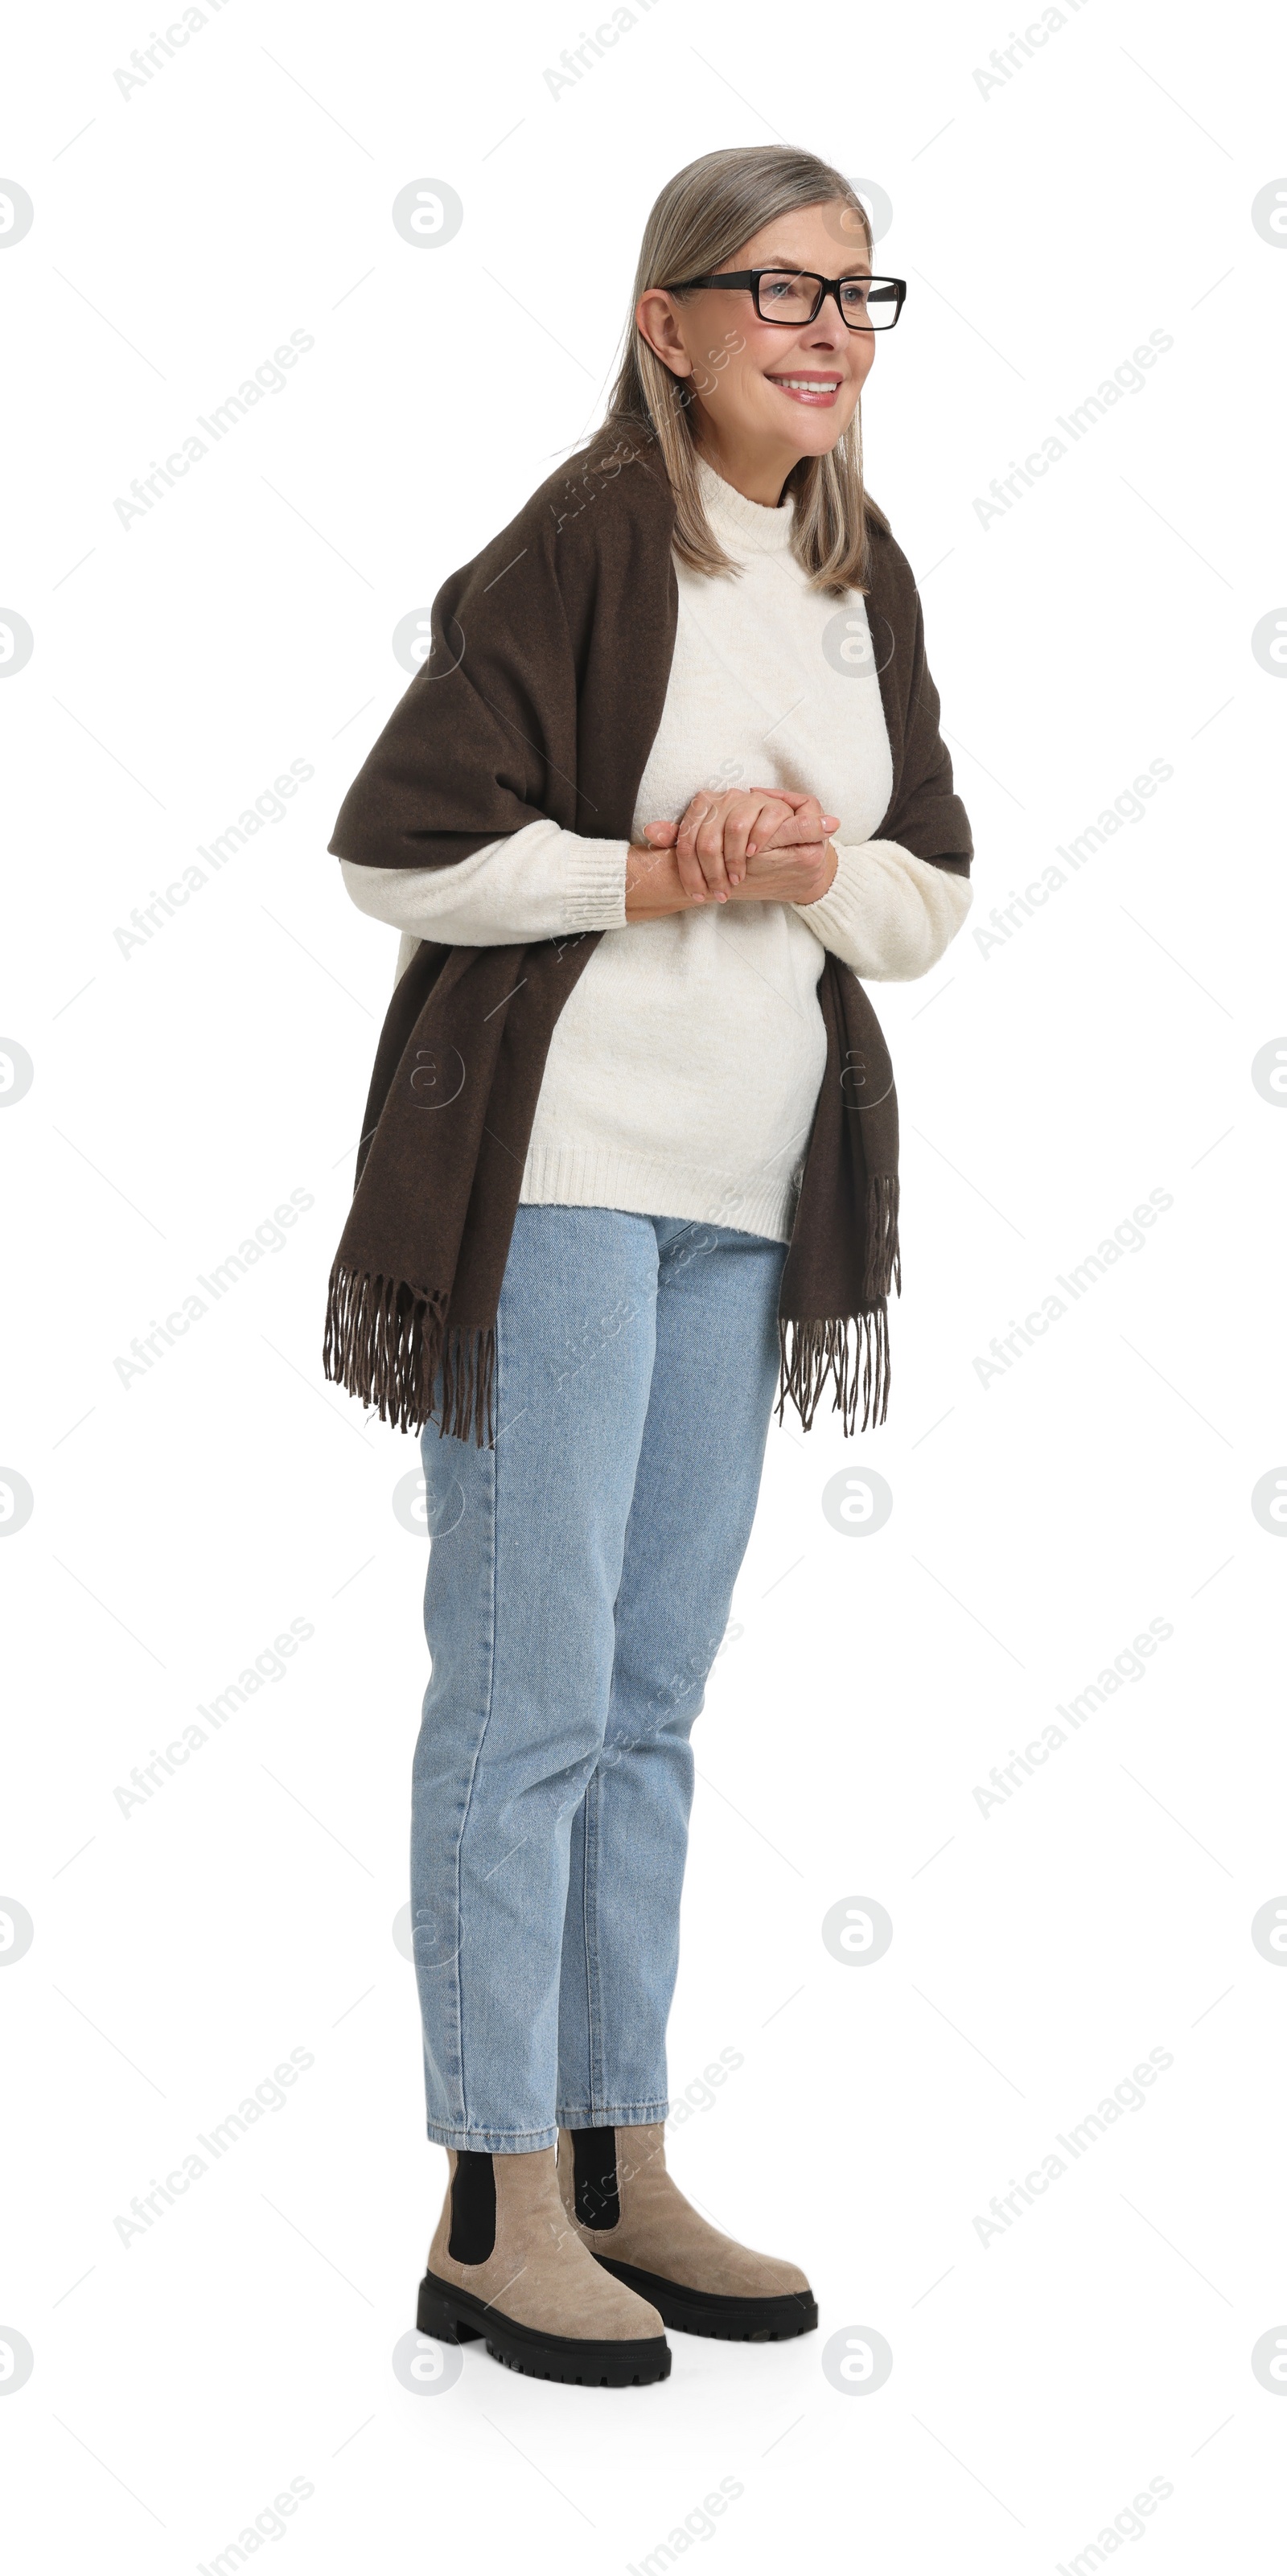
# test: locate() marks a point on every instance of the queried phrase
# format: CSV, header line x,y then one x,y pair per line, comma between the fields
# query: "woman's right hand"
x,y
798,864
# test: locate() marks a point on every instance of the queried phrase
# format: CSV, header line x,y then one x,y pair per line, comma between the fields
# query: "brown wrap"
x,y
541,697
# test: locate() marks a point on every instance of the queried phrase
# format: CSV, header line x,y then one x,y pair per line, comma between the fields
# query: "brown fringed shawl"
x,y
540,697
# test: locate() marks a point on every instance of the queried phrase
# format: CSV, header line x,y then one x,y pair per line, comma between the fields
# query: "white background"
x,y
870,1684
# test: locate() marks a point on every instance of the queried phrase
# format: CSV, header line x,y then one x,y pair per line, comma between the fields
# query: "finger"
x,y
799,828
691,875
661,834
808,817
800,804
739,821
769,819
692,815
808,820
710,851
773,816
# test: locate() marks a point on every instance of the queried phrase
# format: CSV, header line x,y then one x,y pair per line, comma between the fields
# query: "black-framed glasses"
x,y
792,296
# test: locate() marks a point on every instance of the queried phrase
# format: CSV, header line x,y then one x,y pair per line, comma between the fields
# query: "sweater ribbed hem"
x,y
646,1185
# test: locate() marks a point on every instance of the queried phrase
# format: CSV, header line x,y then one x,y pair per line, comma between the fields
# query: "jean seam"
x,y
490,1474
589,1922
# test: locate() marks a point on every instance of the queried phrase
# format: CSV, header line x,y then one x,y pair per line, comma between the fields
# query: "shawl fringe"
x,y
388,1344
469,1385
852,1351
883,1266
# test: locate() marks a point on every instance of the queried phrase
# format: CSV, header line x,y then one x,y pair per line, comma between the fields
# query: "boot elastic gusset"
x,y
630,2213
505,2267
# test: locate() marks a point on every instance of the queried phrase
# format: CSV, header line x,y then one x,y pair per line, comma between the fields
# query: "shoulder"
x,y
891,572
608,506
621,465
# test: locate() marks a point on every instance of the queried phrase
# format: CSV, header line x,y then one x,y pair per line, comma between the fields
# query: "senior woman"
x,y
667,786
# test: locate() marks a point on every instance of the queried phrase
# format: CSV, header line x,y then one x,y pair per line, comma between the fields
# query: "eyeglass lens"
x,y
868,304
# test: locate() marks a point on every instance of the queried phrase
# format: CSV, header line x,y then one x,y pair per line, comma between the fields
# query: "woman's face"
x,y
766,395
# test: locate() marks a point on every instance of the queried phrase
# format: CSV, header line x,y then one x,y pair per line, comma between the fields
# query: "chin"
x,y
815,433
821,436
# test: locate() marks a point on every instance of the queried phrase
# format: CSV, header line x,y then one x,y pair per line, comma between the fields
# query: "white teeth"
x,y
808,384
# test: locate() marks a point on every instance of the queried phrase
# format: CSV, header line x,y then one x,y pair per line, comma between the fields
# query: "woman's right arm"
x,y
540,883
544,883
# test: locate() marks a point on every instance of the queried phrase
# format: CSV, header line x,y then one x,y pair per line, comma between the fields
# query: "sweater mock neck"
x,y
743,527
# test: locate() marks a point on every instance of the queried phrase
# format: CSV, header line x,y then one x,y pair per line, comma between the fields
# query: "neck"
x,y
758,472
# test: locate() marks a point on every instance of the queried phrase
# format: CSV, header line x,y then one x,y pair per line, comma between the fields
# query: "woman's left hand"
x,y
817,847
718,833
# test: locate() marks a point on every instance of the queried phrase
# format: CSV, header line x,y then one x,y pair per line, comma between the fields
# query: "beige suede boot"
x,y
505,2265
635,2220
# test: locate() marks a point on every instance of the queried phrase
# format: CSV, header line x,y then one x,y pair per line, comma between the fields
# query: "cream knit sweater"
x,y
684,1067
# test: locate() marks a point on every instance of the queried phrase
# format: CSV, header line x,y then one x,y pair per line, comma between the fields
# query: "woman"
x,y
629,1154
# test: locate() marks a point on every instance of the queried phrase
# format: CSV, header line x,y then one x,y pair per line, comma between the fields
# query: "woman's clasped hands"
x,y
757,844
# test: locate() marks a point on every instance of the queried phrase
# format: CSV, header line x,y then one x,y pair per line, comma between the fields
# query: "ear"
x,y
658,323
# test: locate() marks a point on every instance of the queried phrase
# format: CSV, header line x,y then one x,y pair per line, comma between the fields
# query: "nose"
x,y
827,330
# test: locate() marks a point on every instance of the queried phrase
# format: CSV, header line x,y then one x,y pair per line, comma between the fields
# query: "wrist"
x,y
831,862
653,884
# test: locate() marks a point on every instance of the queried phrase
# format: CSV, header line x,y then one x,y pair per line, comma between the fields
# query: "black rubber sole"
x,y
701,2312
456,2316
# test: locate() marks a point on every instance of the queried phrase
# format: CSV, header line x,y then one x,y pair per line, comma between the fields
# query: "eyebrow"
x,y
853,270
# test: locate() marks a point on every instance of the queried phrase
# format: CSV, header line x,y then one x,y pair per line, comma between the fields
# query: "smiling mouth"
x,y
808,389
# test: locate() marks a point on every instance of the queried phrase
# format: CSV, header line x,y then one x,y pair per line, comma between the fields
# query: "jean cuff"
x,y
621,2115
491,2142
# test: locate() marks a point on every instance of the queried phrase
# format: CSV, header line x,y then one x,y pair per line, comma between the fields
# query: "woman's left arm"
x,y
887,915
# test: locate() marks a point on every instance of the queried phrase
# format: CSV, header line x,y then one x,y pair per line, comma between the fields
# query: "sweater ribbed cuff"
x,y
888,914
594,876
841,909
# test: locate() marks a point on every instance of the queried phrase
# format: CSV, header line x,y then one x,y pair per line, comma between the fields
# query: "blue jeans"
x,y
580,1576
